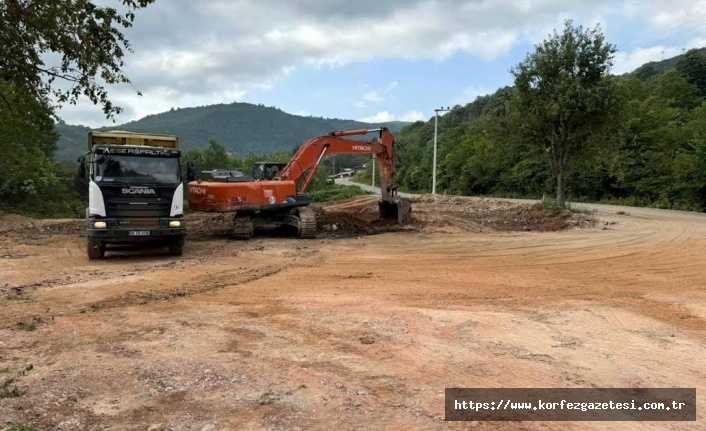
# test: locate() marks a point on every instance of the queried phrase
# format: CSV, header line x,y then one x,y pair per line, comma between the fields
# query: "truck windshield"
x,y
137,170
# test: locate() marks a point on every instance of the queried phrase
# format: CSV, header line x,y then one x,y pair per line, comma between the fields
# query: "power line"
x,y
658,32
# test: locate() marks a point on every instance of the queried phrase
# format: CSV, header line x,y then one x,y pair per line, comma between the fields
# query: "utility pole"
x,y
436,133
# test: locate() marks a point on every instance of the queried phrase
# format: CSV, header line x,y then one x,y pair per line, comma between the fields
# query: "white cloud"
x,y
661,22
266,86
232,47
380,117
385,116
698,42
678,14
413,116
370,97
628,61
470,93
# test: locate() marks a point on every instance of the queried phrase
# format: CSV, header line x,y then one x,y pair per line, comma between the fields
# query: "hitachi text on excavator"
x,y
276,193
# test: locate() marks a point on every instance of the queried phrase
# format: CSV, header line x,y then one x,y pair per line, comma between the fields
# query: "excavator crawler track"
x,y
307,223
243,227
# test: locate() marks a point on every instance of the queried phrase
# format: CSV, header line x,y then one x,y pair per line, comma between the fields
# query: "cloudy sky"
x,y
372,60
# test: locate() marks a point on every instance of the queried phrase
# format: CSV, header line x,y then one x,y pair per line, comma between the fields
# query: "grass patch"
x,y
268,398
31,325
550,205
27,326
364,178
10,390
336,192
22,427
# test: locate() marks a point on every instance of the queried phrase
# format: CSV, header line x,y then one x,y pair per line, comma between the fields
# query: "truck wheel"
x,y
95,249
176,247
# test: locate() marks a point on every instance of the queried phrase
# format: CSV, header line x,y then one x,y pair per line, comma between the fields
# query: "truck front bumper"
x,y
114,231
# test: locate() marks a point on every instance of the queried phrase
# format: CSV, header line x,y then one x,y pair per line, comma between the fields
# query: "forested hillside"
x,y
651,152
654,68
243,128
568,126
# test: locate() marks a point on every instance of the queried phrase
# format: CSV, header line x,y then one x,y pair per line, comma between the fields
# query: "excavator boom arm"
x,y
310,154
278,199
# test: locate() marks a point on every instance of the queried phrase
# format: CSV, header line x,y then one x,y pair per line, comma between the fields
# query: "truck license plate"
x,y
139,233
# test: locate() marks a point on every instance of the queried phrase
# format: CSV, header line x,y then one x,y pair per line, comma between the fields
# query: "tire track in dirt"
x,y
368,332
145,298
147,282
24,290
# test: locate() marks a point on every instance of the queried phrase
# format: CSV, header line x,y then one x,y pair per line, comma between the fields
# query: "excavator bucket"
x,y
398,209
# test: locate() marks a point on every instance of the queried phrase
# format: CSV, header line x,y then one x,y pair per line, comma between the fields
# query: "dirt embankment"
x,y
359,216
439,213
25,226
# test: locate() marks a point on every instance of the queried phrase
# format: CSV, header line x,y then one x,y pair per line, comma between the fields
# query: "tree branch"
x,y
69,78
9,105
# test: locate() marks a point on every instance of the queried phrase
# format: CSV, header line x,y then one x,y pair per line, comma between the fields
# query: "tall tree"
x,y
27,145
646,71
86,38
672,86
692,66
564,93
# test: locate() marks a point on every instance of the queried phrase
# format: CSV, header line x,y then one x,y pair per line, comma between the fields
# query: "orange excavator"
x,y
276,193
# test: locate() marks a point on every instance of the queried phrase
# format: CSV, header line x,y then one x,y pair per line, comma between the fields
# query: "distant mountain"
x,y
243,128
654,68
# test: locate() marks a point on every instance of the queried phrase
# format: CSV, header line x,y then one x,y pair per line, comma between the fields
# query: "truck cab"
x,y
135,191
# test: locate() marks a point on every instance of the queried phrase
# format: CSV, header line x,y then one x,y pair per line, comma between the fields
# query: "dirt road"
x,y
349,332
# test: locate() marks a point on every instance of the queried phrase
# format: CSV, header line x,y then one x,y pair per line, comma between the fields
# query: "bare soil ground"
x,y
361,328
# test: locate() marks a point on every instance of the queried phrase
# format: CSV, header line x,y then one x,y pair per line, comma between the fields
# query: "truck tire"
x,y
176,247
95,249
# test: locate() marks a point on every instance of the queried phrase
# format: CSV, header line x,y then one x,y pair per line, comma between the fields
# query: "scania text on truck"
x,y
135,191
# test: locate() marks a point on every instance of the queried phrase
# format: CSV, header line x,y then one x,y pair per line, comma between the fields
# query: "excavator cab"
x,y
266,171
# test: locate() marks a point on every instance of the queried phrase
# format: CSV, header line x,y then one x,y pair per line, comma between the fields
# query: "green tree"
x,y
689,171
565,95
672,86
692,66
645,72
86,37
214,156
27,144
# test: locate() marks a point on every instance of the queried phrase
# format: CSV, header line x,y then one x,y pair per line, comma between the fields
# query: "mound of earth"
x,y
500,215
344,223
359,216
26,226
